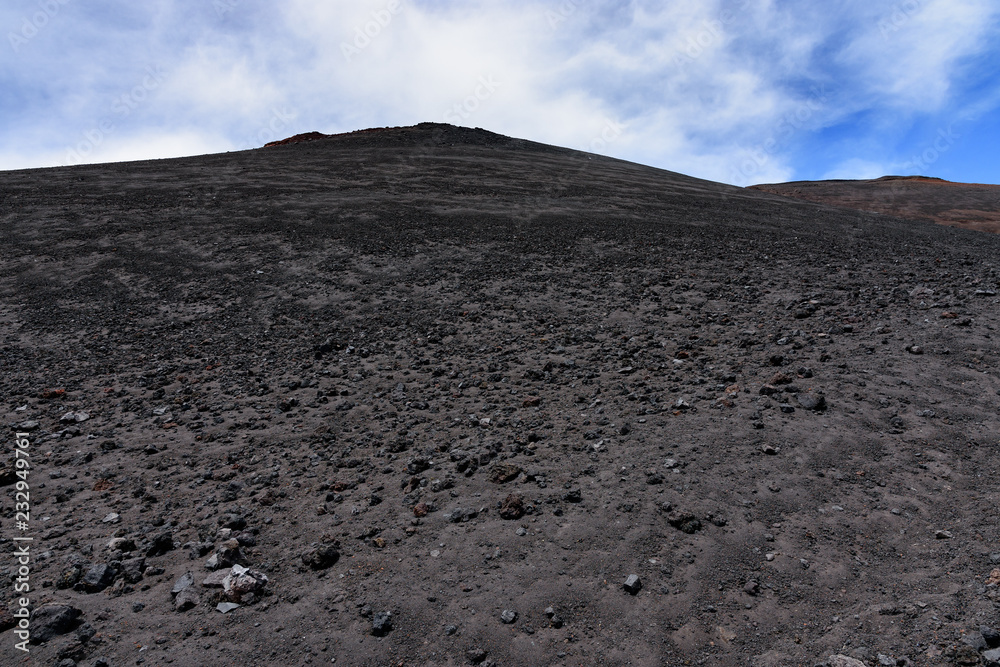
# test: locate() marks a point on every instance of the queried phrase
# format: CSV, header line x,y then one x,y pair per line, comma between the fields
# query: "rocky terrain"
x,y
434,396
966,205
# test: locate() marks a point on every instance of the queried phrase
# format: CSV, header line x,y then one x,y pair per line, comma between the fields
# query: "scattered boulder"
x,y
321,557
96,578
686,522
501,473
185,582
227,555
460,514
632,584
810,401
49,621
243,584
844,661
381,623
573,496
186,599
512,507
162,543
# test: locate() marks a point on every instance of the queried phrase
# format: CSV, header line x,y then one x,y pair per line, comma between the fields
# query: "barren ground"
x,y
764,408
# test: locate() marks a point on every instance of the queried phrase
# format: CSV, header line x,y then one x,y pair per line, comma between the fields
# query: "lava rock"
x,y
321,557
69,576
232,521
512,507
381,623
227,555
184,583
49,621
162,543
243,584
815,402
186,599
990,636
501,473
844,661
686,522
508,616
632,584
96,579
976,641
475,656
573,496
459,515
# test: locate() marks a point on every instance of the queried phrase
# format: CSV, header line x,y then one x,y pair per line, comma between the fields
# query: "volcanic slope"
x,y
443,374
967,205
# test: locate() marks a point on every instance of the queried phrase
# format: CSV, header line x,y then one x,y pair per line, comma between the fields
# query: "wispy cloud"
x,y
723,89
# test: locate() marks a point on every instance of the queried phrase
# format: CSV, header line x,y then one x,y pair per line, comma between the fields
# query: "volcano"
x,y
433,395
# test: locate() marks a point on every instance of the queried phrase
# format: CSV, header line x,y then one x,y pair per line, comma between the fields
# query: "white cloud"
x,y
907,55
719,89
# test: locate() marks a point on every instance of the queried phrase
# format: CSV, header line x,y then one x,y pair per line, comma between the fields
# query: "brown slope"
x,y
968,205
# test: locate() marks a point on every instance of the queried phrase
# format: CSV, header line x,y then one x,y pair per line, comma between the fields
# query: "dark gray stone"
x,y
991,658
96,578
632,584
321,557
162,543
186,599
132,570
185,582
976,641
51,620
381,623
816,402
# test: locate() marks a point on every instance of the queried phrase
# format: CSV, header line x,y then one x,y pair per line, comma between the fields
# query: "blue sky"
x,y
730,90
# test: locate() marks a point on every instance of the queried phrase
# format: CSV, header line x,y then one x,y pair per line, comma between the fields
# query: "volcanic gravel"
x,y
973,206
434,396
